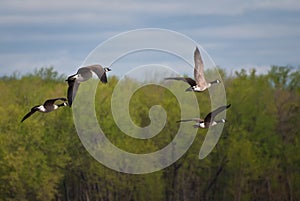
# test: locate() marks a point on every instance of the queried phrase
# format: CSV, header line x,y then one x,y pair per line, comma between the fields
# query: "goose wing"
x,y
85,73
33,110
100,72
52,101
72,90
199,69
193,119
210,116
49,104
188,80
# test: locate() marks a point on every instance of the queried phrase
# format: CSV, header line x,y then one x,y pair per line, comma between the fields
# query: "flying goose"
x,y
48,106
199,83
82,75
208,121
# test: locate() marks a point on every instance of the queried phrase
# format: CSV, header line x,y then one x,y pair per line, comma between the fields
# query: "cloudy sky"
x,y
236,34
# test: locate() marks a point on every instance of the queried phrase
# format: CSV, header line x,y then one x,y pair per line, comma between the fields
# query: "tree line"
x,y
256,158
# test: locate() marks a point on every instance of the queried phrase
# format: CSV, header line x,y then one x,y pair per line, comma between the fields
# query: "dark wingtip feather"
x,y
63,99
103,81
26,116
228,106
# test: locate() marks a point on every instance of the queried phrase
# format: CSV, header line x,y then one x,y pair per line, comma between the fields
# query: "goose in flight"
x,y
48,106
198,84
208,121
82,75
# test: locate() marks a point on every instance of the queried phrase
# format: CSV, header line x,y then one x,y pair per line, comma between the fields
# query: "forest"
x,y
256,158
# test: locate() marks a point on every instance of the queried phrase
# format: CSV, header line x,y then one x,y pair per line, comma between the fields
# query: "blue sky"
x,y
236,34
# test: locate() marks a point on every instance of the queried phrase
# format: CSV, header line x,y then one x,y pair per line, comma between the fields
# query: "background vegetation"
x,y
257,157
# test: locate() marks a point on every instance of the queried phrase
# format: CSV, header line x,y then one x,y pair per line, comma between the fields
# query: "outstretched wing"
x,y
188,80
52,101
193,119
199,69
72,90
49,104
33,110
100,72
214,113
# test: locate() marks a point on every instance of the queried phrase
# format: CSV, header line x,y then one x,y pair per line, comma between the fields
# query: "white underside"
x,y
42,108
202,125
197,88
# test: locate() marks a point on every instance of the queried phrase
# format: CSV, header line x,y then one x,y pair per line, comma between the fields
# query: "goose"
x,y
208,121
82,75
198,84
48,106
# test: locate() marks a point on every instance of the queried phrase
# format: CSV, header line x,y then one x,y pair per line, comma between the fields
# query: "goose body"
x,y
48,106
83,74
198,84
208,121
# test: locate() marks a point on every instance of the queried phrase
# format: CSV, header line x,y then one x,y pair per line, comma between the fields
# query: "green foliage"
x,y
48,74
256,158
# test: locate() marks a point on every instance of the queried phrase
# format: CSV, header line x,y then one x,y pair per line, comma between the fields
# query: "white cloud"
x,y
247,31
276,4
23,63
117,16
127,11
64,18
58,37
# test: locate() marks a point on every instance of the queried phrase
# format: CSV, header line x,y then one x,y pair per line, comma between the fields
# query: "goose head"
x,y
106,69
